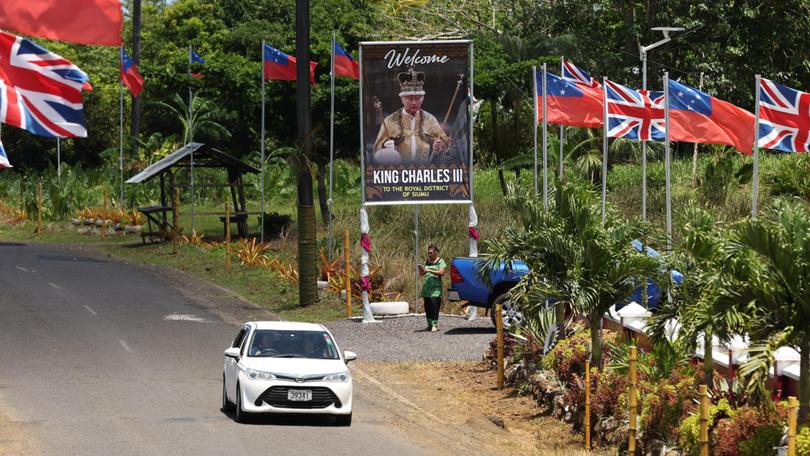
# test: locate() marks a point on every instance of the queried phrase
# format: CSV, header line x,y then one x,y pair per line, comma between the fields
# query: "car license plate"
x,y
299,395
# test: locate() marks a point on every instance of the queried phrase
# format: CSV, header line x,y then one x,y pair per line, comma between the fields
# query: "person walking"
x,y
432,272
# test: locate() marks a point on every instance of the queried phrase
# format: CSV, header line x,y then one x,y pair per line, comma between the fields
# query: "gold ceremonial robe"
x,y
413,136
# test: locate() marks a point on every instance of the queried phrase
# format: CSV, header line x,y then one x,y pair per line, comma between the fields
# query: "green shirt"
x,y
432,283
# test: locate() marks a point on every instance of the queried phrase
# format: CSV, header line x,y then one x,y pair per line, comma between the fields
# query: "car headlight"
x,y
339,377
259,375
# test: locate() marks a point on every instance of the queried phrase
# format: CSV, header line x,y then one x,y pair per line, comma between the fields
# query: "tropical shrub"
x,y
664,404
803,441
689,431
751,432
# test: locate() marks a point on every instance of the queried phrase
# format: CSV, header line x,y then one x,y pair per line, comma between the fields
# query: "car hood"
x,y
296,366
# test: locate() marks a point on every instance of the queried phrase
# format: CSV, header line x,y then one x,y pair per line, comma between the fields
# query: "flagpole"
x,y
643,143
331,144
58,160
604,148
191,140
121,128
755,179
668,161
534,86
261,149
545,138
562,127
695,150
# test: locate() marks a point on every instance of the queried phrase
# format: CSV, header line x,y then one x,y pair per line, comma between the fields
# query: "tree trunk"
x,y
494,107
804,382
596,341
323,193
307,240
708,360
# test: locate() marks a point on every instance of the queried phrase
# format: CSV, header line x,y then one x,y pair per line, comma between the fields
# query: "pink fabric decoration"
x,y
365,242
474,233
365,284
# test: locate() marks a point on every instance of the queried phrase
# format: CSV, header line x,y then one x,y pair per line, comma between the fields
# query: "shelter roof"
x,y
203,156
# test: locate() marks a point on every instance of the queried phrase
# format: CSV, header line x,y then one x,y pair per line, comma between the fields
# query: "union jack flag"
x,y
634,114
40,91
4,163
576,74
784,118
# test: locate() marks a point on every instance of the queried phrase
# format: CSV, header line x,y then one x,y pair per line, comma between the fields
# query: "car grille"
x,y
276,396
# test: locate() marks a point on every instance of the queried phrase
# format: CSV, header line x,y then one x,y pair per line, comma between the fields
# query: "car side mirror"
x,y
349,356
233,352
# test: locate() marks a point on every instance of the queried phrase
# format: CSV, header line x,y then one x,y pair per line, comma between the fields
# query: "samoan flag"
x,y
4,163
195,58
574,73
130,75
569,103
784,118
345,64
698,117
281,67
40,91
634,114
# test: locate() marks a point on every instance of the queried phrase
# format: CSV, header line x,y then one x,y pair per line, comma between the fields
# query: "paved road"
x,y
90,365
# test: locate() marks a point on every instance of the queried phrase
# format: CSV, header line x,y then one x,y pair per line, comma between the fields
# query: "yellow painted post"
x,y
227,236
347,267
499,329
39,207
793,407
587,405
175,219
631,444
703,437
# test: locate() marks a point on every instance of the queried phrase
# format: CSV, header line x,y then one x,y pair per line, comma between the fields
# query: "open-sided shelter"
x,y
204,157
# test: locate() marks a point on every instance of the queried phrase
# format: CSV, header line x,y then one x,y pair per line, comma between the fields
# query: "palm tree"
x,y
573,258
203,117
769,283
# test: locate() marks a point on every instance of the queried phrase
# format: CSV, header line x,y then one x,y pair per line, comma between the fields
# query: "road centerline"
x,y
89,309
54,285
20,268
124,344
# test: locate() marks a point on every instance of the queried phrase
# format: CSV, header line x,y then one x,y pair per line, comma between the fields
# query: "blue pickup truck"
x,y
468,285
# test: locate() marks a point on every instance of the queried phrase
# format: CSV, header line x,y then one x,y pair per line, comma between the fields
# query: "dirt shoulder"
x,y
14,437
460,397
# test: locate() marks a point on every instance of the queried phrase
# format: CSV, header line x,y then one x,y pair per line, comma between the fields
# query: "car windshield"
x,y
275,343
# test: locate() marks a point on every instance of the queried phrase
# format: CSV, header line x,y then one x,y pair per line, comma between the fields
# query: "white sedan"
x,y
287,367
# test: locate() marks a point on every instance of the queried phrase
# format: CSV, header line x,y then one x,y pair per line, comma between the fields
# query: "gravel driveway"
x,y
405,339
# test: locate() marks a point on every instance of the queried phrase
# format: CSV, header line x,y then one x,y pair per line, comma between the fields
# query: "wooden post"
x,y
39,207
499,329
631,444
703,437
227,236
587,405
347,266
793,407
175,218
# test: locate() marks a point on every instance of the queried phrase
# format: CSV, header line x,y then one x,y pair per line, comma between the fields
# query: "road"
x,y
101,357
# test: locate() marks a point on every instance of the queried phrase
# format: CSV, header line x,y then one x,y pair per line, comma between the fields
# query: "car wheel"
x,y
226,404
343,420
512,316
239,414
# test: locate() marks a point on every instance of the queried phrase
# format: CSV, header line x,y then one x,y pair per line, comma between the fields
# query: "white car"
x,y
287,367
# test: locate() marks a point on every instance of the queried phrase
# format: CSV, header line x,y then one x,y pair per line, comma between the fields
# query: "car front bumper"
x,y
270,396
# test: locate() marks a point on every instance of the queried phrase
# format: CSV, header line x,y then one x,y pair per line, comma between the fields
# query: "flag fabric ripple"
x,y
345,65
784,118
78,21
130,75
569,103
281,67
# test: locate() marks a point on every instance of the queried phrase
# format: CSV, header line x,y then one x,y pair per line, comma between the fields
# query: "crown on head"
x,y
411,82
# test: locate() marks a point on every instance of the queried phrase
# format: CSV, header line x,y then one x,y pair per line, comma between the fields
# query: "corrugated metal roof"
x,y
201,151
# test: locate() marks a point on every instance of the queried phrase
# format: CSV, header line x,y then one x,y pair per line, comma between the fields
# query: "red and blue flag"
x,y
279,66
79,21
634,114
196,59
698,117
569,103
40,91
4,163
345,65
572,72
130,75
784,118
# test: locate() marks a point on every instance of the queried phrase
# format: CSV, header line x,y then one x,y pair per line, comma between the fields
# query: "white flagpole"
x,y
121,127
58,160
643,145
755,179
545,139
562,128
668,162
191,140
261,149
604,149
534,86
331,146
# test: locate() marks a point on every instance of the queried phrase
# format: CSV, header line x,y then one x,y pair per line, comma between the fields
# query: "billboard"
x,y
415,122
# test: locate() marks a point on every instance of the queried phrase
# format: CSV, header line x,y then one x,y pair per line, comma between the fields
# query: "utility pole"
x,y
307,238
